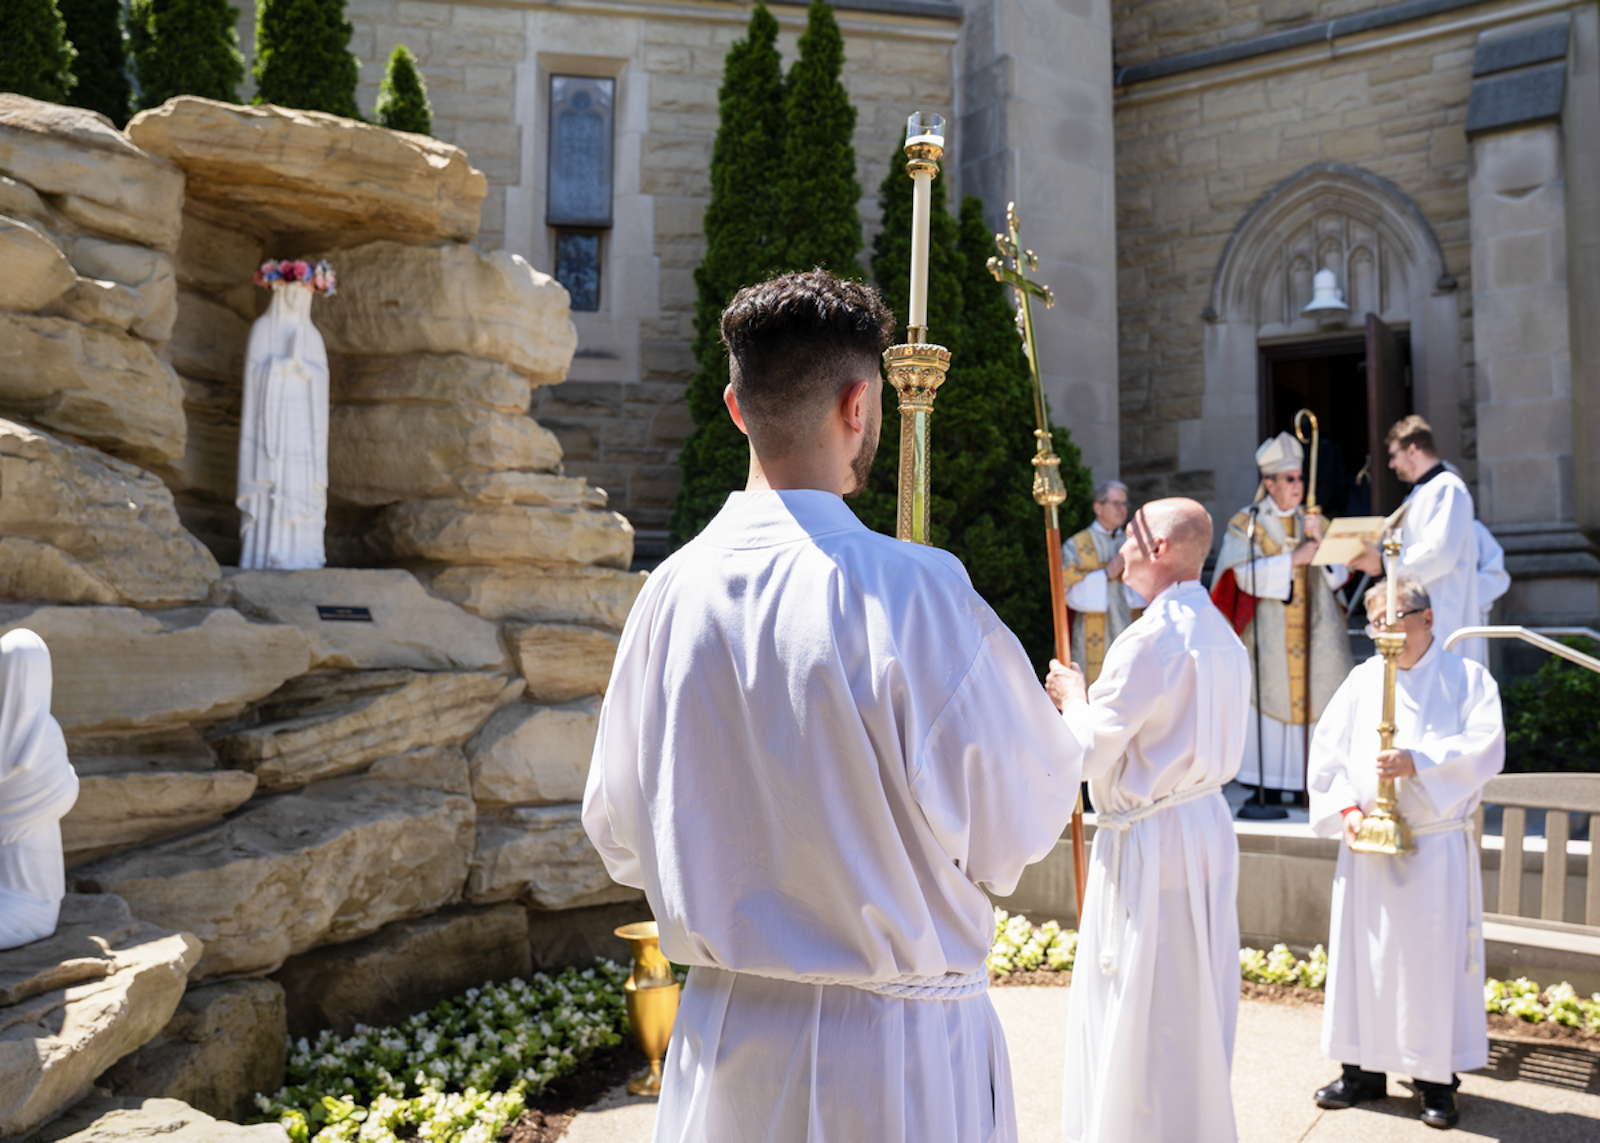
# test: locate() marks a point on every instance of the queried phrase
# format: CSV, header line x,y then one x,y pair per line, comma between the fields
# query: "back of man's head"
x,y
795,342
1412,430
1186,526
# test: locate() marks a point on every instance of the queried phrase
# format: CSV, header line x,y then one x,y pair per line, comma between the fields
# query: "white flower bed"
x,y
456,1074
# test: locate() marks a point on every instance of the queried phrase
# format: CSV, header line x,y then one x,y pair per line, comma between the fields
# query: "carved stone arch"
x,y
1388,261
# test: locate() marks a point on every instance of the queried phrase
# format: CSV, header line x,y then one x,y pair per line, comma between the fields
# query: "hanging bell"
x,y
1327,300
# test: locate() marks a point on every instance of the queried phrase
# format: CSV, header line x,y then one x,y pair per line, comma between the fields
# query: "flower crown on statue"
x,y
319,277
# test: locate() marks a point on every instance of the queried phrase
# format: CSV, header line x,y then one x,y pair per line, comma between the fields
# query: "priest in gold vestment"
x,y
1100,604
1265,580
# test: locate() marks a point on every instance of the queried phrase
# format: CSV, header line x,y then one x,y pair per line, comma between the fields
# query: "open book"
x,y
1345,539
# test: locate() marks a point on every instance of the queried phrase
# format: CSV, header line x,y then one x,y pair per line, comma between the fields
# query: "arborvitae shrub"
x,y
303,56
185,47
95,29
403,98
35,54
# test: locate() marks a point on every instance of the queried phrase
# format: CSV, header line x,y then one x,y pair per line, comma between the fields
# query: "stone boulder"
x,y
75,1003
461,531
100,384
171,749
403,968
322,725
209,339
37,272
599,597
337,861
208,471
19,200
217,256
541,855
542,488
119,1119
222,1046
562,661
310,173
146,274
395,298
93,301
428,768
77,526
94,176
429,379
119,811
121,669
533,755
378,454
370,618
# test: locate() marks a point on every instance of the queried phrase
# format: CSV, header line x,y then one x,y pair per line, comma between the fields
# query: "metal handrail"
x,y
1536,636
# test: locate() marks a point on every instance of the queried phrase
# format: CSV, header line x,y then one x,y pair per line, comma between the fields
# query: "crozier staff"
x,y
1155,995
1405,950
818,747
1101,603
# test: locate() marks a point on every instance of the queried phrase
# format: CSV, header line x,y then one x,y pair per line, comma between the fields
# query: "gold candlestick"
x,y
1384,830
917,368
651,992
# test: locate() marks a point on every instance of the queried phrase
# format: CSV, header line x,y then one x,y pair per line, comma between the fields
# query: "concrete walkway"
x,y
1530,1095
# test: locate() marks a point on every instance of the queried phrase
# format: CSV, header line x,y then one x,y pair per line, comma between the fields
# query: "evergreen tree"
x,y
185,47
95,28
740,230
403,98
35,54
303,56
818,194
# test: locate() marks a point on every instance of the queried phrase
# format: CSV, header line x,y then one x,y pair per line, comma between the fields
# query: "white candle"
x,y
1391,616
921,202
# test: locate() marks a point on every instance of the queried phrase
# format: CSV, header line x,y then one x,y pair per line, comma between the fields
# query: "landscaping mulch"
x,y
1039,977
549,1112
1503,1027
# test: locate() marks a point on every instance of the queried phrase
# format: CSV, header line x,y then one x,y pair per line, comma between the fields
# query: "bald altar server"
x,y
1100,603
1438,543
1155,994
818,748
1267,586
1405,950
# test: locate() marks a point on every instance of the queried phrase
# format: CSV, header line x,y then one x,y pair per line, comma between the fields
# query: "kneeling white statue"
x,y
283,431
37,787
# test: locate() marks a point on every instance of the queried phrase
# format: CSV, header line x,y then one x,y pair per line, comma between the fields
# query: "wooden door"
x,y
1386,404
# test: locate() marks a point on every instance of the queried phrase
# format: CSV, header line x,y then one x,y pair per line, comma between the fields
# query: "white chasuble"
x,y
283,437
817,749
1439,547
1155,990
1269,602
1405,948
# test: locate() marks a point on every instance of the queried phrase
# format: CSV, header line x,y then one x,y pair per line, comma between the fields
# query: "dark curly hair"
x,y
794,342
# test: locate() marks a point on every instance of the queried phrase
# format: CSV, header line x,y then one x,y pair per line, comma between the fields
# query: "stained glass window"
x,y
580,151
578,267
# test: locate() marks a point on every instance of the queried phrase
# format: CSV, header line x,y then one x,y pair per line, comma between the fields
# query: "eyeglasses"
x,y
1398,616
1289,478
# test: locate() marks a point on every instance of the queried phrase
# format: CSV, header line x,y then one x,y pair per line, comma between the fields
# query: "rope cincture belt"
x,y
1120,824
1469,835
946,986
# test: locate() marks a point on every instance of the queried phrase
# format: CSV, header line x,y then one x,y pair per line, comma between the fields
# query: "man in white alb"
x,y
1438,543
1155,993
1493,582
1405,950
818,747
1100,603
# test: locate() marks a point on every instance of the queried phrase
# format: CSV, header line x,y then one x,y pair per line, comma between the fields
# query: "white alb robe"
x,y
1405,952
1439,547
817,747
1493,581
1155,991
37,787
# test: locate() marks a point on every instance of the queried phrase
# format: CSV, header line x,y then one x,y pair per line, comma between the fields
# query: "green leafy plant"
x,y
460,1071
403,97
1553,718
185,47
95,28
1525,1000
1280,966
35,54
303,56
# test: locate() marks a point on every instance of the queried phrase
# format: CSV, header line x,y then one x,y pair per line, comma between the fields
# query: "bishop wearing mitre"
x,y
1405,947
1285,612
1100,602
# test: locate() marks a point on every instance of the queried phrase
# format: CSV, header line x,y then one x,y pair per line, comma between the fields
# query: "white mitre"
x,y
1278,454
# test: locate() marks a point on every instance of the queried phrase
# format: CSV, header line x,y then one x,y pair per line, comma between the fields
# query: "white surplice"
x,y
1493,582
1155,990
817,747
1439,547
1405,948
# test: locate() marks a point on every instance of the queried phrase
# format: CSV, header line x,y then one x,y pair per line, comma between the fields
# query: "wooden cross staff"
x,y
1048,490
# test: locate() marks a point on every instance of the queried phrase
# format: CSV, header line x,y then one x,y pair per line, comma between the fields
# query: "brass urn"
x,y
652,996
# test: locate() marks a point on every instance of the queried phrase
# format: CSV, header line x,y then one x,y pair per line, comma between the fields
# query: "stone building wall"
x,y
1156,29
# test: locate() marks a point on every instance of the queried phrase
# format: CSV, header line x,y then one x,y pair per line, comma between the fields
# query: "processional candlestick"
x,y
1049,492
1384,830
917,368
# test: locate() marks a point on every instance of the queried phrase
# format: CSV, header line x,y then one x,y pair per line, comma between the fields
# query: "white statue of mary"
x,y
283,432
